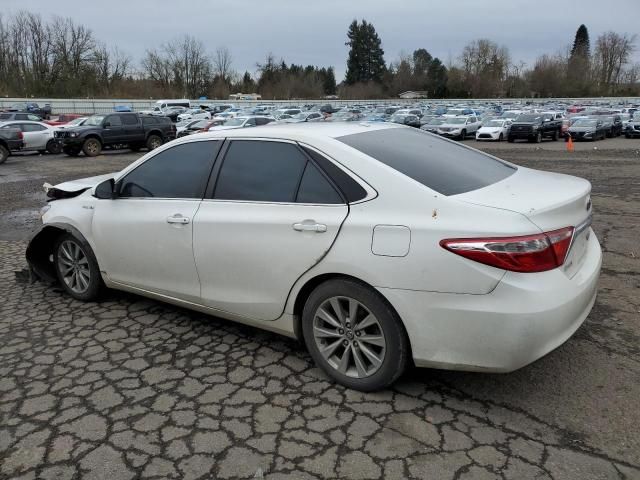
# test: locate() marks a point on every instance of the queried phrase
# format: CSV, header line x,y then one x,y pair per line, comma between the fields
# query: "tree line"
x,y
57,57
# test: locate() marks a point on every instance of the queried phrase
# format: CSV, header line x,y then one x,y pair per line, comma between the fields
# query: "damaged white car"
x,y
376,245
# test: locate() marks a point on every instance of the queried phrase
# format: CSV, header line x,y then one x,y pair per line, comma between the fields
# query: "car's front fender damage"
x,y
39,252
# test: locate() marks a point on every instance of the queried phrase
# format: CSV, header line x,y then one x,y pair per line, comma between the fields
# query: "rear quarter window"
x,y
439,164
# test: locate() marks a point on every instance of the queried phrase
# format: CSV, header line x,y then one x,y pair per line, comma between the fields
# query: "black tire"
x,y
4,154
153,142
463,135
500,138
41,152
54,147
555,136
92,147
626,135
396,350
538,138
510,139
94,284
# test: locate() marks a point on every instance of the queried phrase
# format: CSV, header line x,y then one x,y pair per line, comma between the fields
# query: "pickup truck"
x,y
10,140
115,130
34,108
534,127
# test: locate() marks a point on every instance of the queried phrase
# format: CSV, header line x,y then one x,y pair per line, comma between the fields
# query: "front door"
x,y
273,216
144,236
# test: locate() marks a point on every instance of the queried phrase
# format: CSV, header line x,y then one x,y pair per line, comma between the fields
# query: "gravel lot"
x,y
132,388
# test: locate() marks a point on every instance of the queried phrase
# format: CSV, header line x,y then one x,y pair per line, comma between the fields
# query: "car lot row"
x,y
75,134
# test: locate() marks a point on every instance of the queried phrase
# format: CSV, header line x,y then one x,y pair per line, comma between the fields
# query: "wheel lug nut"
x,y
358,333
345,342
341,331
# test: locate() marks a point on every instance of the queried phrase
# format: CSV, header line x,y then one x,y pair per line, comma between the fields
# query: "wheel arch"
x,y
93,135
311,284
40,249
156,132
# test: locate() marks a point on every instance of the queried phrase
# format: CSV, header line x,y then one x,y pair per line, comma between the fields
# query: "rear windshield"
x,y
439,164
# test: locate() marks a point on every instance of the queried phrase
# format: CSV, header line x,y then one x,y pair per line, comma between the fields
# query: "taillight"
x,y
20,135
526,254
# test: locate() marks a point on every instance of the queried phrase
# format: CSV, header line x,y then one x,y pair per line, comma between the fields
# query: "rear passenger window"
x,y
351,189
315,188
21,116
260,171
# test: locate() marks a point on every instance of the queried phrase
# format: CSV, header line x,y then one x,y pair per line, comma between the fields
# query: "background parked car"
x,y
459,127
405,119
11,139
494,129
33,108
588,129
38,136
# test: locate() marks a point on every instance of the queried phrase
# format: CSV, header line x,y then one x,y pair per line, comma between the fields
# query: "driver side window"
x,y
178,172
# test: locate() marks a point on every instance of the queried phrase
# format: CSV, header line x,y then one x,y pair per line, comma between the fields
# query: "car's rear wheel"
x,y
354,335
555,135
510,139
53,147
4,153
500,138
153,142
92,147
77,268
463,135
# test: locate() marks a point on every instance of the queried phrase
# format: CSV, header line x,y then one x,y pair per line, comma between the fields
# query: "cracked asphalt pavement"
x,y
132,388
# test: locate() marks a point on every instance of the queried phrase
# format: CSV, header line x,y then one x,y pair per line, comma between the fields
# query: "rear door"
x,y
133,130
272,215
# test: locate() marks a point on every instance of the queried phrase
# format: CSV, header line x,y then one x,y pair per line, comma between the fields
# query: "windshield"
x,y
529,118
78,121
234,122
493,123
300,116
436,121
456,121
94,121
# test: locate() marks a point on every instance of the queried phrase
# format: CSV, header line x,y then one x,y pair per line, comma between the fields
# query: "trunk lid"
x,y
549,200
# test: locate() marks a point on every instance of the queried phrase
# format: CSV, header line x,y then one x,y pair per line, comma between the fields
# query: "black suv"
x,y
116,129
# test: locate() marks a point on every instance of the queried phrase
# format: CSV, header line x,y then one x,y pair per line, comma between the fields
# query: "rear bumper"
x,y
525,317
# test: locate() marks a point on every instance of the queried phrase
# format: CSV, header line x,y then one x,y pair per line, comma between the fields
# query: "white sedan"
x,y
496,129
375,244
194,114
38,136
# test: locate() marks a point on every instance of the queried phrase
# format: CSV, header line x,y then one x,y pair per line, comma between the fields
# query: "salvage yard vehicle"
x,y
588,129
194,114
496,129
37,136
10,116
115,129
633,128
374,244
11,139
33,108
242,122
405,119
459,127
534,127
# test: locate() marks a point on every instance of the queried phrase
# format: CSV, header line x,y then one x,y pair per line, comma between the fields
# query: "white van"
x,y
163,104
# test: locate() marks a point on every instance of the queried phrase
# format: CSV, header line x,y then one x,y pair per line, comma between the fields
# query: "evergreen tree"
x,y
366,56
329,81
421,61
581,46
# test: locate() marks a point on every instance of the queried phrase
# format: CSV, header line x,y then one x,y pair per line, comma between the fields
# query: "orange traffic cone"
x,y
570,144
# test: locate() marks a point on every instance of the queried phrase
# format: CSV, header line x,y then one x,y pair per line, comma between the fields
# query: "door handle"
x,y
179,219
309,226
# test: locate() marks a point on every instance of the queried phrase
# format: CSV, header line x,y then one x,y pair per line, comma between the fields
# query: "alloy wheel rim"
x,y
92,147
155,144
349,337
74,266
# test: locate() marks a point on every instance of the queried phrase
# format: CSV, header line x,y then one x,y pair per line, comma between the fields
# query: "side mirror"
x,y
105,190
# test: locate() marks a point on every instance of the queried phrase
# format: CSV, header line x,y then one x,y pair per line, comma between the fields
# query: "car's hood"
x,y
489,129
74,188
582,129
80,129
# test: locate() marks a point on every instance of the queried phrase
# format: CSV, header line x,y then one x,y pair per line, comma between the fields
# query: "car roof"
x,y
304,131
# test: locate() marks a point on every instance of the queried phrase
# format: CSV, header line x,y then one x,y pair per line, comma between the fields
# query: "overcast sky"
x,y
314,32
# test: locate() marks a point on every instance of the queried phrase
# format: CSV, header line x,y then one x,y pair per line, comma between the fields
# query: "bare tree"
x,y
612,53
222,61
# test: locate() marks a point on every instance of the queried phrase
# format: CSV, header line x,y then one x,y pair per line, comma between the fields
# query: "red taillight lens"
x,y
20,135
526,254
